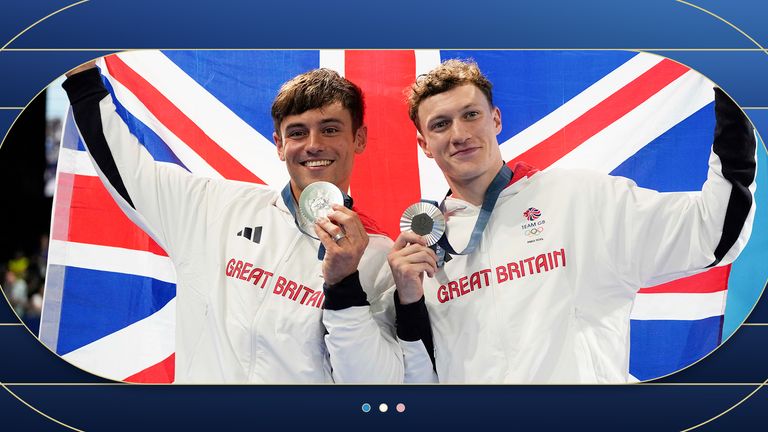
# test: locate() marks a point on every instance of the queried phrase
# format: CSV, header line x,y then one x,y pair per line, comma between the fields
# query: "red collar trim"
x,y
520,170
370,225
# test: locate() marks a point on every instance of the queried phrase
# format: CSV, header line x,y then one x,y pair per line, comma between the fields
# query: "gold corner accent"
x,y
725,21
37,410
39,21
729,409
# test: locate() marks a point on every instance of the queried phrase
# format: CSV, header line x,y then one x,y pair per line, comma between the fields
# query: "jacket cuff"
x,y
83,85
345,294
412,320
412,323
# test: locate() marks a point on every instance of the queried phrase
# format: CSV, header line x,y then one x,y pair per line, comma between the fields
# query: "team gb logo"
x,y
532,214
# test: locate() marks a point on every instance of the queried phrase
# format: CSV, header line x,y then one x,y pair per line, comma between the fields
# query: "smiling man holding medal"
x,y
517,290
271,287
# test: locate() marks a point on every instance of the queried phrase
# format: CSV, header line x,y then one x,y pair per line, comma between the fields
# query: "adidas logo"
x,y
253,234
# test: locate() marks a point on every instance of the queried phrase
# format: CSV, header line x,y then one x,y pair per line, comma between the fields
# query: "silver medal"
x,y
424,219
316,200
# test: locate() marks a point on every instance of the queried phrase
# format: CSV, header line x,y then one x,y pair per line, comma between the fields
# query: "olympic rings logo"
x,y
534,231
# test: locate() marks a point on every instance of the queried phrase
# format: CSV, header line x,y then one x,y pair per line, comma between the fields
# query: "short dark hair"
x,y
450,74
316,89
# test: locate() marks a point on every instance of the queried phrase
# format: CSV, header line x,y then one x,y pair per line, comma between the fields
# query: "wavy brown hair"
x,y
316,89
450,74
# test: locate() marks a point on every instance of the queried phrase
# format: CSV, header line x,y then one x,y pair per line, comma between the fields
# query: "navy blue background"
x,y
661,26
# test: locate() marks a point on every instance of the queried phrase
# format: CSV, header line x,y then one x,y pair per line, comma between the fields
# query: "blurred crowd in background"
x,y
23,284
28,158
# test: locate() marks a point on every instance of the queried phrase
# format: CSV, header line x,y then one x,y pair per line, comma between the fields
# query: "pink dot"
x,y
400,407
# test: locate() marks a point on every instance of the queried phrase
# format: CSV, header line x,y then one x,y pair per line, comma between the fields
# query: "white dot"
x,y
383,407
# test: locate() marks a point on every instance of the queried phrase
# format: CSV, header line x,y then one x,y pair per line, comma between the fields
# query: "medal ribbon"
x,y
498,184
289,202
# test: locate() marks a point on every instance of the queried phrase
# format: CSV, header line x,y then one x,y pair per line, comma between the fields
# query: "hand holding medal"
x,y
317,200
338,228
424,219
422,225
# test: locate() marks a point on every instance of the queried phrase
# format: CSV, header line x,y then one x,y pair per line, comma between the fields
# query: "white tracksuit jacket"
x,y
546,297
249,283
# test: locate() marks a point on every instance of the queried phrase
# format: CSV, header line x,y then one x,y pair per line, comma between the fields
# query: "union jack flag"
x,y
109,298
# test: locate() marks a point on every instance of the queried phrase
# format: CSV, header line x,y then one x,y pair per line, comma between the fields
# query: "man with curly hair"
x,y
516,304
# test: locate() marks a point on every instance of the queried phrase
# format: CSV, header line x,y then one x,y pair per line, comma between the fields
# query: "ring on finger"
x,y
339,235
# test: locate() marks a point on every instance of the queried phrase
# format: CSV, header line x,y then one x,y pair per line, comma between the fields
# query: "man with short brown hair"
x,y
264,295
530,295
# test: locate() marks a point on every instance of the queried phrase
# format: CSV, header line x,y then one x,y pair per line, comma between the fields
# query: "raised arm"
x,y
162,198
657,237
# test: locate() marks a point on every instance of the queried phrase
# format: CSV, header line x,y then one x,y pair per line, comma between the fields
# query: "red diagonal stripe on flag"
x,y
602,115
386,176
713,280
178,123
162,372
95,218
61,212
